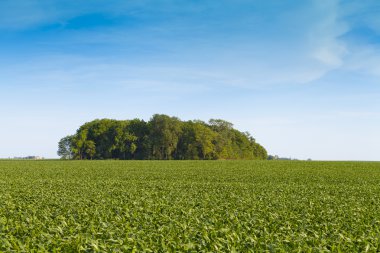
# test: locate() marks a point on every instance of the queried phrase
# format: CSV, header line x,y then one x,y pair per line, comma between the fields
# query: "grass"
x,y
189,206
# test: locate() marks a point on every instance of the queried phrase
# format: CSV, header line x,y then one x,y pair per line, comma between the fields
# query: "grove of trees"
x,y
161,138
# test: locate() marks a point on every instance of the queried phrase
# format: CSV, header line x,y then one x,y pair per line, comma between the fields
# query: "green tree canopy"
x,y
161,138
65,147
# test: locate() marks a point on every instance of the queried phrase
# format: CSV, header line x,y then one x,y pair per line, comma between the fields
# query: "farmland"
x,y
189,206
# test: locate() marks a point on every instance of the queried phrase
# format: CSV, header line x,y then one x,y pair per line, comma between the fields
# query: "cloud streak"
x,y
276,68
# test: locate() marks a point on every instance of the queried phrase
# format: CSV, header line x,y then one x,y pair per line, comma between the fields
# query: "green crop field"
x,y
189,206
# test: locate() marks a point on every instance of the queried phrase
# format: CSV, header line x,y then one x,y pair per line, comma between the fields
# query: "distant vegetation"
x,y
161,138
31,157
276,157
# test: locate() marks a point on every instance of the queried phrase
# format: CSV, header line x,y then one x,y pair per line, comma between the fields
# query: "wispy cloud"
x,y
280,68
327,46
202,35
361,37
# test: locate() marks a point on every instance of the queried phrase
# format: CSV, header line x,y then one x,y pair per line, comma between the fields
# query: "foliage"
x,y
65,147
162,138
189,206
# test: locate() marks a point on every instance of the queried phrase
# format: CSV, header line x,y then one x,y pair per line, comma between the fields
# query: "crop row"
x,y
189,206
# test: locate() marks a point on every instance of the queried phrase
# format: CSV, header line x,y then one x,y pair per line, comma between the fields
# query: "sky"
x,y
303,77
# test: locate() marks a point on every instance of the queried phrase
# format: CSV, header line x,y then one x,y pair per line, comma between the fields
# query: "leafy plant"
x,y
189,206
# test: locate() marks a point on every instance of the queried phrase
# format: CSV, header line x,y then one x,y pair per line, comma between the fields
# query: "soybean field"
x,y
189,206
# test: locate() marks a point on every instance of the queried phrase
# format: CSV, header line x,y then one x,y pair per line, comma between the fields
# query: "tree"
x,y
204,138
65,147
125,143
90,149
162,137
223,140
140,148
79,144
186,146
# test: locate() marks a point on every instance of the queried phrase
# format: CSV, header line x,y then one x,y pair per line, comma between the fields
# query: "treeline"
x,y
161,138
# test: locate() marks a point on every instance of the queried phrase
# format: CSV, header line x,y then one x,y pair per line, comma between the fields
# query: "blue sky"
x,y
301,76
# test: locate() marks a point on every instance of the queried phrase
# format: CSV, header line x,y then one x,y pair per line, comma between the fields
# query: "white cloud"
x,y
305,47
327,47
299,46
363,59
330,55
358,53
